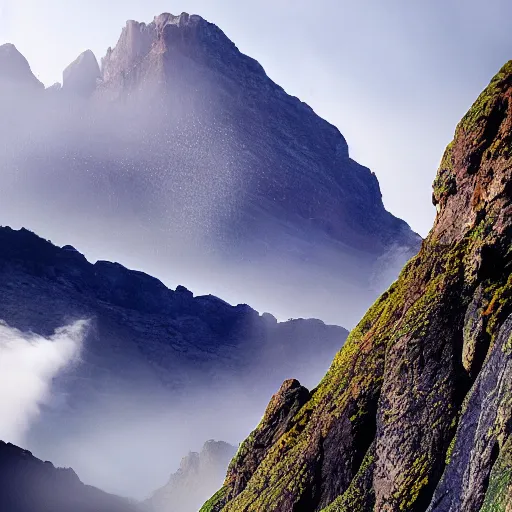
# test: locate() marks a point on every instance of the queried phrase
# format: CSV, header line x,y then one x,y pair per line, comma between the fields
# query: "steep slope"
x,y
306,163
28,484
198,476
185,143
153,360
414,412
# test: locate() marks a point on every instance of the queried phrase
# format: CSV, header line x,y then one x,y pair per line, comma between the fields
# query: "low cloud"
x,y
28,364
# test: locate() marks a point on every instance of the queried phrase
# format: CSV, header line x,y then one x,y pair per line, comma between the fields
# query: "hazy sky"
x,y
394,76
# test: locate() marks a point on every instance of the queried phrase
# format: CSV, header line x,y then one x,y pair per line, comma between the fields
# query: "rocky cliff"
x,y
28,484
198,477
414,413
184,142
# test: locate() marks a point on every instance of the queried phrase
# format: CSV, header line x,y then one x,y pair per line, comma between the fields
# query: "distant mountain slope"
x,y
415,412
15,71
28,484
182,143
154,360
198,477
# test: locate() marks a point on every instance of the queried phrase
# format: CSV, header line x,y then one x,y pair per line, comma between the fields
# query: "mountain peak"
x,y
28,484
470,185
167,18
15,69
199,474
144,45
82,74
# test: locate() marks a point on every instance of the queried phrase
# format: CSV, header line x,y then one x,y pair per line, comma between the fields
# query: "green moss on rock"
x,y
400,375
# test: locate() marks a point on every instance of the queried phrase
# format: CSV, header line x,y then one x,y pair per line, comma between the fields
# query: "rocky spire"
x,y
81,75
15,69
134,44
142,46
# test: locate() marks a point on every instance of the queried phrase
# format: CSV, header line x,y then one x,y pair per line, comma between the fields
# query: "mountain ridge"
x,y
28,484
198,151
148,349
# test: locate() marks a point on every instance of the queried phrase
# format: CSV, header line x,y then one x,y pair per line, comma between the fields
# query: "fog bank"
x,y
28,364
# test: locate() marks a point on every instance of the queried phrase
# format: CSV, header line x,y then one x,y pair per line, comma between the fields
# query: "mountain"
x,y
198,477
15,70
157,364
28,484
414,413
180,142
81,76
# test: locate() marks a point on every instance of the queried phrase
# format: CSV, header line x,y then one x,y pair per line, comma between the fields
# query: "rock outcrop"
x,y
414,413
28,484
199,475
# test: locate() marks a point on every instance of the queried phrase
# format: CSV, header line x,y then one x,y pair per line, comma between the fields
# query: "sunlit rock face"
x,y
187,145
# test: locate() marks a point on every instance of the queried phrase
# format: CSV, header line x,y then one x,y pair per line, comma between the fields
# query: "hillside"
x,y
414,413
28,484
199,474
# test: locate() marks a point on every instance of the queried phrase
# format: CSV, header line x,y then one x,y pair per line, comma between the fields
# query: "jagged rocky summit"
x,y
197,151
28,484
415,412
199,475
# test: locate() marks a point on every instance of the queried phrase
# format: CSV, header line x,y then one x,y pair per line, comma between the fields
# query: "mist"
x,y
28,364
128,439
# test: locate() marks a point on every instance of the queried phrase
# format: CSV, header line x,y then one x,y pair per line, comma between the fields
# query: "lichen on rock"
x,y
414,413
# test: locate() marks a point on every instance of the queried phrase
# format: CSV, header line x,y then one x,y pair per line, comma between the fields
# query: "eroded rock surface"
x,y
414,413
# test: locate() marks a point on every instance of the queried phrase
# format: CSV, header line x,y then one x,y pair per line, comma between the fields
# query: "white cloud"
x,y
28,363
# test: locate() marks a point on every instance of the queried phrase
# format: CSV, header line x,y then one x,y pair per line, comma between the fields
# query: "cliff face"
x,y
28,484
414,413
184,142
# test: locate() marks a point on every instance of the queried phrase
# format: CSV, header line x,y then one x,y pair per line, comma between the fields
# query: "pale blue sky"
x,y
394,76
